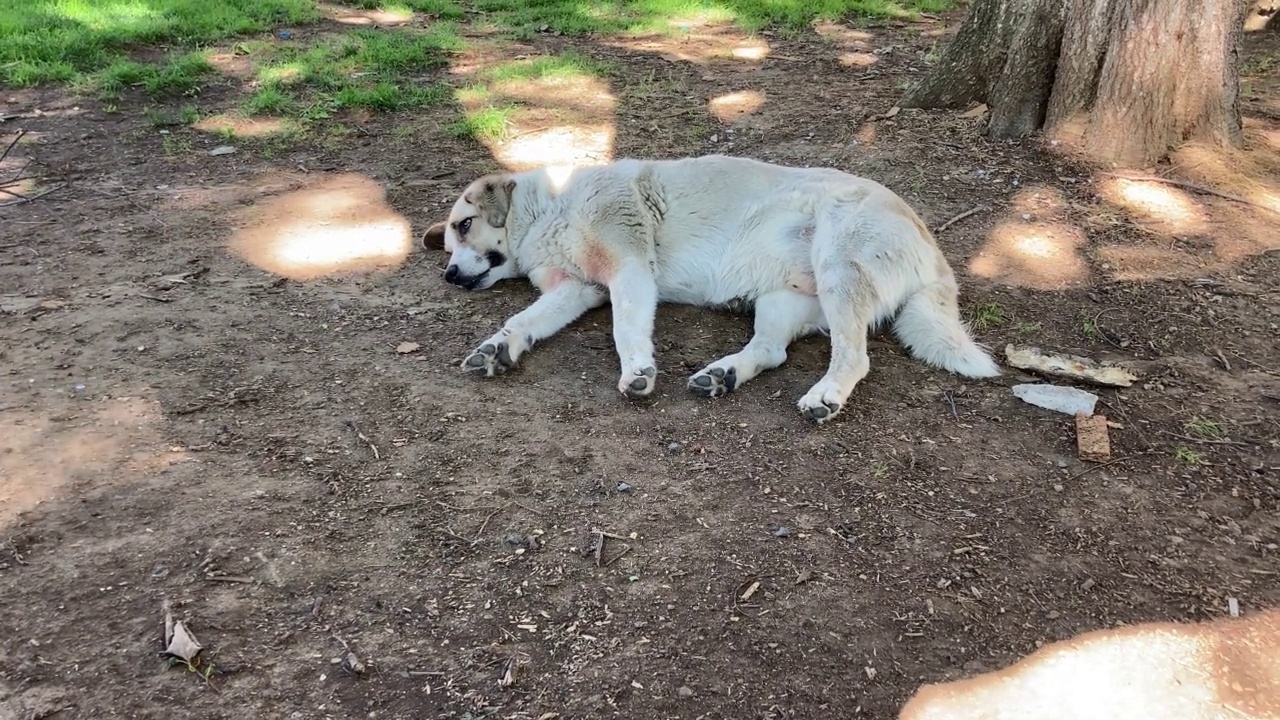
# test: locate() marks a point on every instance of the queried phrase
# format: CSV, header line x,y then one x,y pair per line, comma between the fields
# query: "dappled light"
x,y
235,126
563,145
46,454
699,45
1228,668
858,59
331,225
1039,202
1040,255
1157,205
544,110
386,16
731,106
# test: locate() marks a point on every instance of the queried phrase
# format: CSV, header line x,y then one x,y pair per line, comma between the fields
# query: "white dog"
x,y
812,250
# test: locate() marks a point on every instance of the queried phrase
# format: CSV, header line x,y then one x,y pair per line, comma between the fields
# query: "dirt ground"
x,y
198,408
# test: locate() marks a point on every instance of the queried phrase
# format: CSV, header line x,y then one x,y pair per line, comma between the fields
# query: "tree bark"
x,y
1128,79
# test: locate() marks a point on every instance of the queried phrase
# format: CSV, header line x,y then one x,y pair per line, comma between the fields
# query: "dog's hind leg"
x,y
780,317
929,326
851,302
633,293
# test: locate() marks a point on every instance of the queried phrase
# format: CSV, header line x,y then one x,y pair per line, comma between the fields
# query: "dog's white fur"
x,y
811,249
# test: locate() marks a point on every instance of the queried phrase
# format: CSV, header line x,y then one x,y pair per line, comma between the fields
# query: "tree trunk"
x,y
1128,79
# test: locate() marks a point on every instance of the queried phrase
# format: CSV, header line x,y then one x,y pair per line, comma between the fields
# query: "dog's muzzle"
x,y
453,276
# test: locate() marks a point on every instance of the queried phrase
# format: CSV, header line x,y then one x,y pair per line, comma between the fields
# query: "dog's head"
x,y
475,235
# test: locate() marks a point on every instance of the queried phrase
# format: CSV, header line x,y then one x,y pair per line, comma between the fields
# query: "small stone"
x,y
684,691
624,487
514,539
782,532
1053,615
674,447
1087,585
222,150
1057,487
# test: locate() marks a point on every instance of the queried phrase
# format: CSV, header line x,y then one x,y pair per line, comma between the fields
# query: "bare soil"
x,y
188,414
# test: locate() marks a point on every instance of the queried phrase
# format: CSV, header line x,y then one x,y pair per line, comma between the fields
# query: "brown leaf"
x,y
407,347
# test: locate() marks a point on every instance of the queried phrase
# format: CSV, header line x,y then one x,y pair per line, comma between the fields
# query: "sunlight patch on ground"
x,y
731,106
43,454
1228,668
245,126
858,59
1044,256
1160,207
232,65
699,45
544,110
333,225
362,17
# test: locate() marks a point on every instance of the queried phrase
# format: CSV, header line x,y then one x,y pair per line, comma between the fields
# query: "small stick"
x,y
625,549
484,524
599,548
1204,441
951,401
230,579
971,211
1189,186
376,455
37,196
12,144
1079,475
157,298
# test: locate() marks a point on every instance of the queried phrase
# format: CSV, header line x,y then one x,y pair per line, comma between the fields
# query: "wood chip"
x,y
1067,366
1092,441
751,590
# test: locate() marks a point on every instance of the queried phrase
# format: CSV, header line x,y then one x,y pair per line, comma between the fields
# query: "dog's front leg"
x,y
558,306
633,292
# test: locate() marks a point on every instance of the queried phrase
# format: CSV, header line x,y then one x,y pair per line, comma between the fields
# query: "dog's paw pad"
x,y
820,411
714,381
639,383
490,359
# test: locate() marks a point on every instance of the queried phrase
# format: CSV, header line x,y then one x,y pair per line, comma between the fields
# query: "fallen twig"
x,y
1079,475
1190,186
157,298
37,196
971,211
1204,441
376,455
12,144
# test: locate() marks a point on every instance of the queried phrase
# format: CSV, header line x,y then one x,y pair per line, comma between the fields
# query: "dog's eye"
x,y
464,227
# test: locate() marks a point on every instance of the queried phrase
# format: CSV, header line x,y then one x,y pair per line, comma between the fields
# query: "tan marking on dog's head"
x,y
491,196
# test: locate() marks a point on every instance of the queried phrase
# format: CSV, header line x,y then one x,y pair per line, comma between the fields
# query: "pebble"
x,y
685,691
624,487
674,447
782,531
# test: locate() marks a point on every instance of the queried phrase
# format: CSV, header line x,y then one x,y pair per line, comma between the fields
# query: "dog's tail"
x,y
929,326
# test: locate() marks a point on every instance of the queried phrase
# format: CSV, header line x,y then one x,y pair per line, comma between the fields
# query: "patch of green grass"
x,y
488,123
64,40
363,69
987,317
1187,455
563,65
1026,329
1206,428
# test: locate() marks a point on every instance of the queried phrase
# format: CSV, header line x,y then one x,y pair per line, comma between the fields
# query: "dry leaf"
x,y
407,347
178,641
975,112
892,111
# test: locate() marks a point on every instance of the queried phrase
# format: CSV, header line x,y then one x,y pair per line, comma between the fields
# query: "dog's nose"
x,y
451,273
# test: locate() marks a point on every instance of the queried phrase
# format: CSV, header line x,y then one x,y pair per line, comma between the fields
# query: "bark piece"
x,y
1067,366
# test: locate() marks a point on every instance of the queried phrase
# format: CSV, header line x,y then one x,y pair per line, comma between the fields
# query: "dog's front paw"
x,y
490,359
714,381
638,383
821,403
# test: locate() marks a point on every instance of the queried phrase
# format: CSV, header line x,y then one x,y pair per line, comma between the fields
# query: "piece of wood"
x,y
1067,366
1092,441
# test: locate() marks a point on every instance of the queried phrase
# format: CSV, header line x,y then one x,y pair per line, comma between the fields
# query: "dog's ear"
x,y
492,198
433,238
